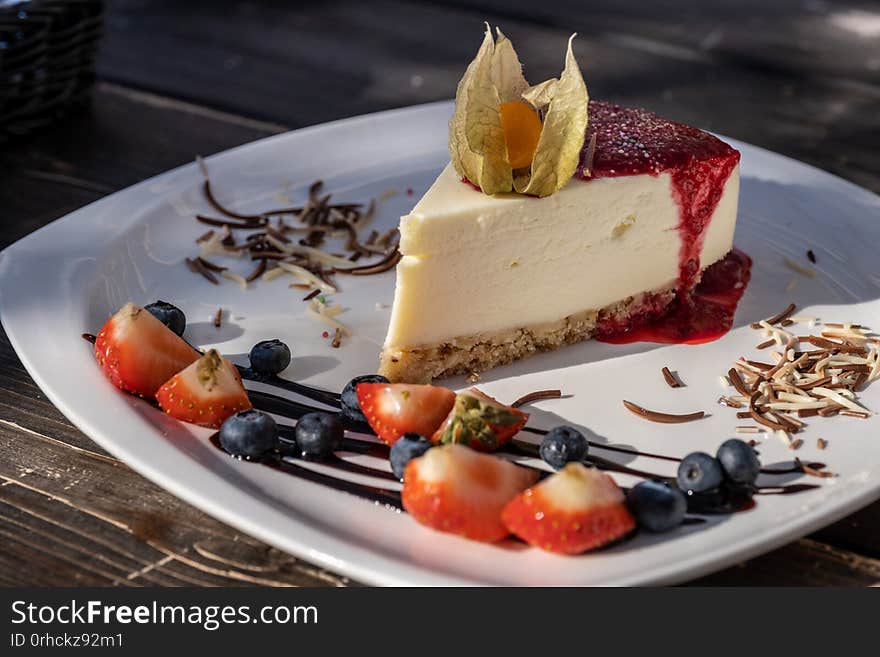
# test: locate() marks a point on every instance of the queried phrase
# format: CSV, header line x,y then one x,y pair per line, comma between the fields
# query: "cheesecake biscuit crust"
x,y
483,351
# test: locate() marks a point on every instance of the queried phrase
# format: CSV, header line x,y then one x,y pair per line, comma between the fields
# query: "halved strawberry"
x,y
138,353
206,393
479,421
393,409
573,510
454,489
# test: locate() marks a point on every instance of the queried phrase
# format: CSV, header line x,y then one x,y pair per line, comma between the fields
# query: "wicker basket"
x,y
47,60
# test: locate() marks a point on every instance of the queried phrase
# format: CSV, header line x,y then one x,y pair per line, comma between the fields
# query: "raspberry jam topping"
x,y
702,315
634,142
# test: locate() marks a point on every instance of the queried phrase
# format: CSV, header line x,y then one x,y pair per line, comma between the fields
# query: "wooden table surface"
x,y
177,79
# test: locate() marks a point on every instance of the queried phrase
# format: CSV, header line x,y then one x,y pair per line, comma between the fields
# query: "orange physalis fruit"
x,y
522,130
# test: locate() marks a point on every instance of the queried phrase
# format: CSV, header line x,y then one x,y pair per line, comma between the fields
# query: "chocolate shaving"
x,y
383,265
281,237
671,380
311,295
760,419
785,314
320,219
218,318
738,383
792,425
821,443
852,368
197,267
588,158
727,401
209,194
90,337
825,343
766,343
205,237
808,469
665,418
269,255
210,265
385,238
859,414
536,396
258,271
337,339
213,221
811,256
816,383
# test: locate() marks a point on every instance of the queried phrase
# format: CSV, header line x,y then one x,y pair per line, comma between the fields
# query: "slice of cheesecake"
x,y
485,280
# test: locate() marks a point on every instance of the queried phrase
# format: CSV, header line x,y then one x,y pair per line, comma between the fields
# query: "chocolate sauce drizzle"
x,y
315,394
289,461
290,465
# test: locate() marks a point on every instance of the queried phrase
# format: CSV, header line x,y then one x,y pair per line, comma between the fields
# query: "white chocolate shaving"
x,y
306,276
236,278
835,396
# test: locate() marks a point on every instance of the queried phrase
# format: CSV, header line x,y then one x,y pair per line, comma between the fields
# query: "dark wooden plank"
x,y
802,563
79,508
857,532
835,41
311,63
123,138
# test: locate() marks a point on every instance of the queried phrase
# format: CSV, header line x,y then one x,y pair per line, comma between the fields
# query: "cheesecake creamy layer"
x,y
478,264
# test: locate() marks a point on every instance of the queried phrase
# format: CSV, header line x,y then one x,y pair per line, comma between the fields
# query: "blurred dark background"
x,y
797,76
176,78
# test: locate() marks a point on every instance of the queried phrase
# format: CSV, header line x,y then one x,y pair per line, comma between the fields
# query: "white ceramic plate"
x,y
67,278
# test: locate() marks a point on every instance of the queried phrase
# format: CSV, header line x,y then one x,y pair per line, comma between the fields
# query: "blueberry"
x,y
169,314
350,407
698,472
739,461
249,433
319,434
562,445
657,506
408,447
269,357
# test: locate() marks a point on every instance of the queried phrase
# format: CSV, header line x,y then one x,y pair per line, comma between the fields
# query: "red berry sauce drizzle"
x,y
634,142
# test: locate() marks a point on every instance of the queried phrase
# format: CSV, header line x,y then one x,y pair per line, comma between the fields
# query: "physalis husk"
x,y
477,143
